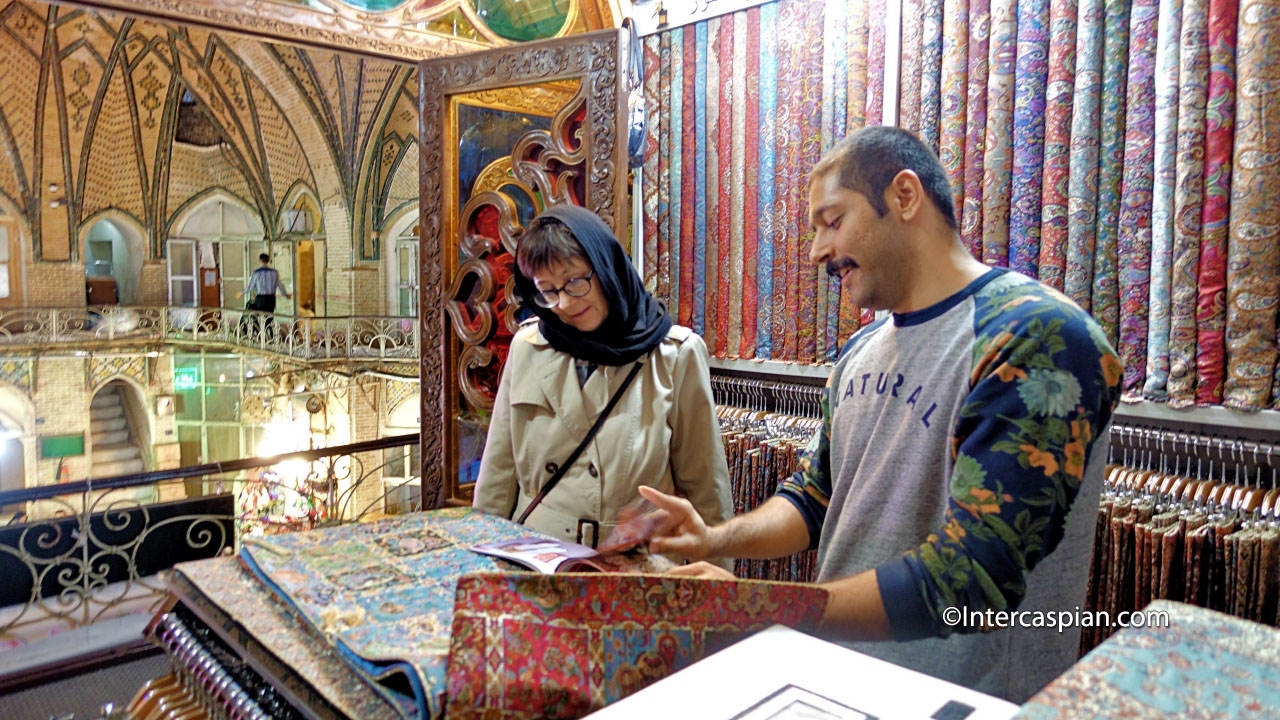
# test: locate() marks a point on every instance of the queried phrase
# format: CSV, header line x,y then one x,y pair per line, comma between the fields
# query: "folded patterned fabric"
x,y
383,592
561,646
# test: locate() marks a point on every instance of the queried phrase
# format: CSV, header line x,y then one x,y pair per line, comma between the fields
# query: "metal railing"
x,y
382,338
95,548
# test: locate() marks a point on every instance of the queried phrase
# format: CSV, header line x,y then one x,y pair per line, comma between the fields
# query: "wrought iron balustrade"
x,y
383,338
81,552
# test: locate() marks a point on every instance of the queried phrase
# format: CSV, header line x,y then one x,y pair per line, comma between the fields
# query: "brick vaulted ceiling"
x,y
89,111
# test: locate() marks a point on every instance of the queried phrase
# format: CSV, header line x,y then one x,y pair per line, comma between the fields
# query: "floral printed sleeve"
x,y
1044,384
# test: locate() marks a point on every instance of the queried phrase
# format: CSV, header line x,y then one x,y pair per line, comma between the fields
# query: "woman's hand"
x,y
702,569
680,529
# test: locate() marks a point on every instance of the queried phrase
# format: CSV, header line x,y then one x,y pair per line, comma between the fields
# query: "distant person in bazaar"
x,y
600,350
959,465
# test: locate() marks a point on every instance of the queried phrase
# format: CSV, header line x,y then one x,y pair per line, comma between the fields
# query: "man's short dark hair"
x,y
868,160
546,242
264,257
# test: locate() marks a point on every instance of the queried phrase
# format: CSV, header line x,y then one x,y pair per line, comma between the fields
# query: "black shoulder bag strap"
x,y
613,401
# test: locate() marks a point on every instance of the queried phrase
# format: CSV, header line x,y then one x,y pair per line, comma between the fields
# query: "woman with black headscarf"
x,y
596,327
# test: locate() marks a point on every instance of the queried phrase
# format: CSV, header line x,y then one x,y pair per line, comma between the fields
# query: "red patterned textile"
x,y
912,30
728,77
561,646
664,174
688,144
809,117
751,200
717,162
652,160
877,13
1211,307
786,150
1057,143
855,91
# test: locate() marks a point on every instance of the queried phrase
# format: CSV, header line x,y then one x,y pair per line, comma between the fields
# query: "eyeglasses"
x,y
576,287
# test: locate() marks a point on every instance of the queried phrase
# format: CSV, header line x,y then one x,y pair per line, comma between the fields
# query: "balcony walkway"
x,y
382,339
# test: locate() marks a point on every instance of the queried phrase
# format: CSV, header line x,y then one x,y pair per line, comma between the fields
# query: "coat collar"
x,y
556,375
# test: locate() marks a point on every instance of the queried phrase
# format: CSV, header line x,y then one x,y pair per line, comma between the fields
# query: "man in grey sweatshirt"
x,y
957,471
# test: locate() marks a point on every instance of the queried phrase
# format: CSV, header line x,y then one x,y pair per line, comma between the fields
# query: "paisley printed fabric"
x,y
1188,199
689,179
653,132
1028,135
955,94
725,191
1086,118
969,212
1211,310
698,260
997,163
768,176
1169,27
1057,143
1253,269
1198,662
562,646
1134,242
1106,291
930,72
383,592
754,174
912,34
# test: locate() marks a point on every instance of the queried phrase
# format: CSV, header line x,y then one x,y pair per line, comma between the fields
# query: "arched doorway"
x,y
17,445
113,254
212,251
120,430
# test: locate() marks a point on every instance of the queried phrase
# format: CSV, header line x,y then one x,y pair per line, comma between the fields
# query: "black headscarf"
x,y
636,323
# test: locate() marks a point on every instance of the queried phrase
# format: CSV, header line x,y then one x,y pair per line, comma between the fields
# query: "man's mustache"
x,y
835,267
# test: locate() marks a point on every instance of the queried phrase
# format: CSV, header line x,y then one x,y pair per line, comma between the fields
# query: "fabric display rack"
x,y
1187,517
1120,152
765,424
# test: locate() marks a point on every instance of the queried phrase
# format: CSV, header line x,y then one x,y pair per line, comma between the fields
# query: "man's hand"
x,y
702,569
681,530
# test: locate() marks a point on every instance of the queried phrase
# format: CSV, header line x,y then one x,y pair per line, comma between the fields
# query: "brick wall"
x,y
50,284
62,408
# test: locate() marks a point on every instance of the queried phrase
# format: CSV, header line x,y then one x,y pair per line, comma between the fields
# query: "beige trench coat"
x,y
663,433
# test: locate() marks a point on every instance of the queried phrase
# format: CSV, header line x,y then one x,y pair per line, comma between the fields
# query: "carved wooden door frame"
x,y
596,151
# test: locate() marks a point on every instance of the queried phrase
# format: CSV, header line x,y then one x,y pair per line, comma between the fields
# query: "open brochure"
x,y
549,556
622,551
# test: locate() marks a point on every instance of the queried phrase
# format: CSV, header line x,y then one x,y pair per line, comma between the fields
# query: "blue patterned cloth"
x,y
1203,665
383,592
768,122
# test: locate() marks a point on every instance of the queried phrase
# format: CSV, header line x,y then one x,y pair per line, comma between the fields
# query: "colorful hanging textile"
x,y
754,174
736,316
1169,26
930,72
768,173
1032,71
663,177
675,107
1086,112
1253,275
727,78
809,153
711,257
786,140
653,132
699,235
955,94
969,213
837,48
1134,242
855,92
1193,81
912,33
1106,294
1057,143
1211,304
877,14
997,162
689,182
